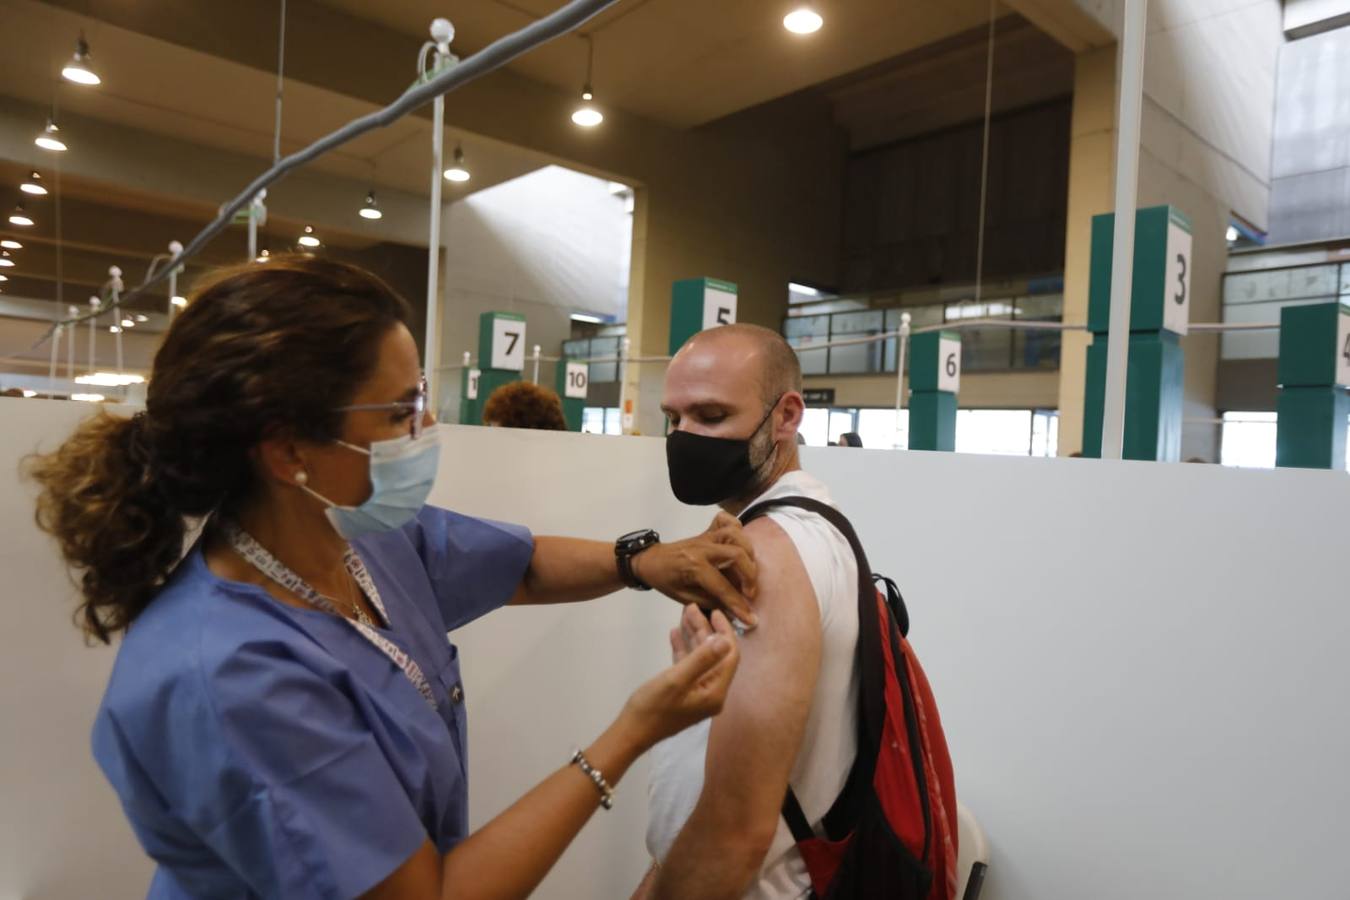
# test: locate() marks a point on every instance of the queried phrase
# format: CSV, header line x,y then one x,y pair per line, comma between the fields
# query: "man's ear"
x,y
794,407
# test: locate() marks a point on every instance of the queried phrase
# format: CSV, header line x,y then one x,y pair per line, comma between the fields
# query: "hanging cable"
x,y
984,155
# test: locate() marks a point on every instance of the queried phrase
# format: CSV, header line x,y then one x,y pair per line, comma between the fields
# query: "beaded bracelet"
x,y
606,792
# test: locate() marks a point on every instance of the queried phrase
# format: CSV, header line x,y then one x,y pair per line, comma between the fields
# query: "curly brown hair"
x,y
261,350
521,404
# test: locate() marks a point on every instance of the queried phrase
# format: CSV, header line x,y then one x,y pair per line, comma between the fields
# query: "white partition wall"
x,y
1140,665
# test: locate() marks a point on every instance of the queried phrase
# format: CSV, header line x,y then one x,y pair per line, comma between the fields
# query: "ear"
x,y
793,408
279,459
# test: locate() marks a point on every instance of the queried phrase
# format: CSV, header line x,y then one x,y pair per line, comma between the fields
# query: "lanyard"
x,y
258,557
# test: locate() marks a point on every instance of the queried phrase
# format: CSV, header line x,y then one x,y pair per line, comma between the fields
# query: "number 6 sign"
x,y
949,365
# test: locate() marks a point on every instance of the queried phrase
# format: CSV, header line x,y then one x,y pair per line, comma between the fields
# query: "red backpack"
x,y
892,832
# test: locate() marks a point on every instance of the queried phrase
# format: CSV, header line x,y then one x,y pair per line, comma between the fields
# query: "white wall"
x,y
544,245
1139,665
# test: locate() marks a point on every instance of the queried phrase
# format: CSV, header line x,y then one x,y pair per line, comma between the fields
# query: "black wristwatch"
x,y
629,546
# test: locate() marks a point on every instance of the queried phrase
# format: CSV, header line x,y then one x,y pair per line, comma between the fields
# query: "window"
x,y
815,428
879,429
601,420
1247,440
1001,432
1045,433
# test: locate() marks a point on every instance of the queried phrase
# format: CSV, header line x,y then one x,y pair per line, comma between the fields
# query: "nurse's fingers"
x,y
738,565
715,587
709,666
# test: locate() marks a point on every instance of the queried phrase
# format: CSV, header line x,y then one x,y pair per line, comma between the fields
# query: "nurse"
x,y
285,718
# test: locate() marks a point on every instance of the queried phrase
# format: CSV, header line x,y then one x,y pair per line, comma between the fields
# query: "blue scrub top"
x,y
261,750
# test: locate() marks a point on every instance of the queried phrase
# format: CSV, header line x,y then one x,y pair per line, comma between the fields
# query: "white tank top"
x,y
829,743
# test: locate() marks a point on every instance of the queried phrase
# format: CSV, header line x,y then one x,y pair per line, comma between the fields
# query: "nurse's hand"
x,y
715,570
692,689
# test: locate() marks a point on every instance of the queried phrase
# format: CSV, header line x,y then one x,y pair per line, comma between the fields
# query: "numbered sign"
x,y
471,392
1343,347
578,375
1177,286
508,344
949,365
719,307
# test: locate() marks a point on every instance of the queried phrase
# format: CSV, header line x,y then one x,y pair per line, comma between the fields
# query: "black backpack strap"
x,y
842,816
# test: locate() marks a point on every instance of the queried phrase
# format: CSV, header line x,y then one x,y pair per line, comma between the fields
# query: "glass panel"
x,y
878,429
815,428
613,421
859,357
813,361
1255,344
1345,280
1044,433
578,349
1248,440
604,348
807,326
1036,349
841,420
986,349
1040,308
1303,283
593,420
869,322
1003,432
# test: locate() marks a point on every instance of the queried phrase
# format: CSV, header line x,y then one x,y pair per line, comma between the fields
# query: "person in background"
x,y
522,404
285,718
850,439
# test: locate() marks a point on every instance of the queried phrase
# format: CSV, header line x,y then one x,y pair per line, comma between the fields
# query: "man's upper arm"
x,y
753,743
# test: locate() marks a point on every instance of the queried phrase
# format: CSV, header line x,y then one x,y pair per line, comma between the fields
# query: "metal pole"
x,y
623,383
901,340
51,370
176,249
94,304
441,33
537,350
72,311
1122,249
115,291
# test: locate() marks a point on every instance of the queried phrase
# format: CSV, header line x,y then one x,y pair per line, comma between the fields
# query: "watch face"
x,y
638,538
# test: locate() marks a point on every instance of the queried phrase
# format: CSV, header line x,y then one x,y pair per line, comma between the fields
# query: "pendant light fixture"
x,y
50,137
587,115
11,245
5,261
370,209
33,185
803,20
309,238
457,172
20,217
78,70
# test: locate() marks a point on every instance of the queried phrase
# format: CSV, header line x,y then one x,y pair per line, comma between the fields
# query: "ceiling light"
x,y
264,256
20,217
88,398
586,115
181,302
77,70
11,245
28,393
457,172
109,379
1232,233
803,20
50,138
141,318
370,209
5,261
309,239
114,329
583,317
127,323
4,278
804,289
34,185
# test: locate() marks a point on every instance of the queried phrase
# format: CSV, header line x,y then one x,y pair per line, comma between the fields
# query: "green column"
x,y
1159,315
501,354
697,304
1314,371
934,380
571,381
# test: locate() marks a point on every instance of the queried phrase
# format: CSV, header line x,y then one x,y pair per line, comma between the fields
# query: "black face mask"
x,y
706,470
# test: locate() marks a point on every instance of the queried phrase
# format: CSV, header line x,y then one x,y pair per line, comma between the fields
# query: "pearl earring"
x,y
301,478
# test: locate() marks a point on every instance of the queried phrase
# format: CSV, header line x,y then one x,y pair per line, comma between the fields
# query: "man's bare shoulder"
x,y
782,576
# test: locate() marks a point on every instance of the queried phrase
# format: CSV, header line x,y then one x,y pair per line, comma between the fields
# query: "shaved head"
x,y
771,358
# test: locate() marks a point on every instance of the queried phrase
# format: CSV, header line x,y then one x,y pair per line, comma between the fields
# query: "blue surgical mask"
x,y
402,472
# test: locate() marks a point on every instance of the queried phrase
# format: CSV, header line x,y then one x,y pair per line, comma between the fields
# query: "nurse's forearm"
x,y
509,856
565,570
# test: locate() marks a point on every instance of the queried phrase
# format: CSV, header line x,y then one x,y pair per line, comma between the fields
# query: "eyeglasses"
x,y
416,407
